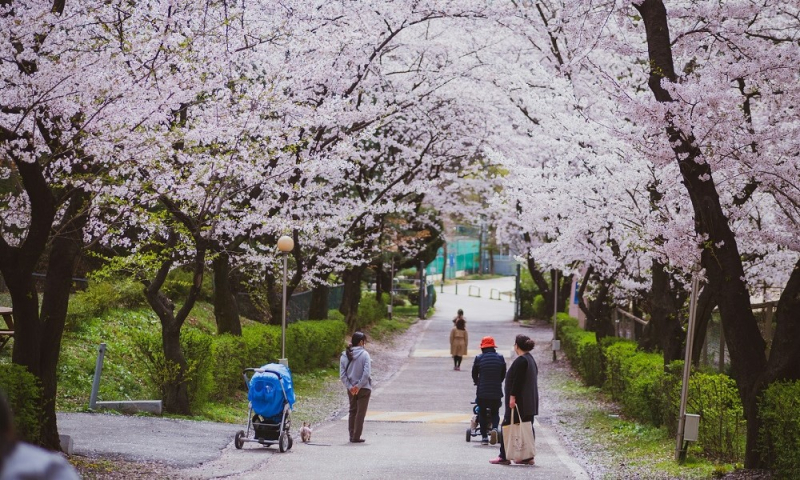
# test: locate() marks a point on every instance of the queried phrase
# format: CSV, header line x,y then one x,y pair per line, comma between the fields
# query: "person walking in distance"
x,y
458,342
521,391
354,371
488,373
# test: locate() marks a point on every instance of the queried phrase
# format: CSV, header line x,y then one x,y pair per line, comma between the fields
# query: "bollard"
x,y
98,370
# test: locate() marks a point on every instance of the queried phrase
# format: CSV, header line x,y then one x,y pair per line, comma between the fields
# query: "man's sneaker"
x,y
484,441
500,461
493,437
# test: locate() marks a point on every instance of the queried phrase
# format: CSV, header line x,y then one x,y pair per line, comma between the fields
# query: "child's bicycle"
x,y
474,429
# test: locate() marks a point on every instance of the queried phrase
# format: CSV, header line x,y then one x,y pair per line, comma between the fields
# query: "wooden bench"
x,y
8,332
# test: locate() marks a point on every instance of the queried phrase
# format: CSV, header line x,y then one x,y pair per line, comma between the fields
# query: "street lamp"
x,y
285,245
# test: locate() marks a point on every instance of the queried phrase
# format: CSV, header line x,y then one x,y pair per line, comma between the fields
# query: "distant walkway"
x,y
417,421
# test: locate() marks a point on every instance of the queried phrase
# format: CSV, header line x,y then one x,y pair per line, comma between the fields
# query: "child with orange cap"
x,y
488,373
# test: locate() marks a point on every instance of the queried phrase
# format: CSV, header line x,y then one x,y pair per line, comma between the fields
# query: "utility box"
x,y
691,427
556,345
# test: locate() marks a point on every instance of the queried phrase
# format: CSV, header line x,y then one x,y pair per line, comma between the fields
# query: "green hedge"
x,y
649,394
216,362
24,395
779,435
370,311
715,398
582,349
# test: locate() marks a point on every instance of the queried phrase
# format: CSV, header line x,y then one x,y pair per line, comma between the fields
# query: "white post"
x,y
283,319
687,367
391,290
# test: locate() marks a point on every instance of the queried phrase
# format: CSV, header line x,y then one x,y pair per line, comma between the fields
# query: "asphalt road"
x,y
415,426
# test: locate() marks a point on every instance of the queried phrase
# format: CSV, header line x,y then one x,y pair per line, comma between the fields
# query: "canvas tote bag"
x,y
518,439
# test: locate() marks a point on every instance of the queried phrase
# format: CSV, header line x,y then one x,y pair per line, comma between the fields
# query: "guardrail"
x,y
492,293
476,288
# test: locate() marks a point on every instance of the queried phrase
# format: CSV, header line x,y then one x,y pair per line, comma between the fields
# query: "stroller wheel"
x,y
469,434
283,442
238,441
291,442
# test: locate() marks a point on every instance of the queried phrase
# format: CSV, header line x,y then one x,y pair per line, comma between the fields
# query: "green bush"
x,y
539,309
101,297
335,315
309,345
582,349
528,291
197,350
229,353
24,395
779,434
722,425
315,343
370,310
635,379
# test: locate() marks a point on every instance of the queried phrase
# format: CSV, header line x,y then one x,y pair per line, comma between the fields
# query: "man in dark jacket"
x,y
488,373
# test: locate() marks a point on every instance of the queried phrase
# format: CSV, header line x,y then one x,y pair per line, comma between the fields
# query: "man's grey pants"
x,y
358,410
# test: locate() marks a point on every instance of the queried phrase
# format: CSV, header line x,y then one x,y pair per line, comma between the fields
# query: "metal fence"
x,y
299,304
714,352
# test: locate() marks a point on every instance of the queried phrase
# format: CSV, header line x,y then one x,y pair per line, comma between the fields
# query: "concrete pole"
x,y
687,367
421,290
391,289
98,370
284,360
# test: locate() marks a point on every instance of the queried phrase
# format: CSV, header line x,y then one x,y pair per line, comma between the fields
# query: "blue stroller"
x,y
270,393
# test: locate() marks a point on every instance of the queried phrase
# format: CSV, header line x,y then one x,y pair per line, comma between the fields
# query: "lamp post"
x,y
285,245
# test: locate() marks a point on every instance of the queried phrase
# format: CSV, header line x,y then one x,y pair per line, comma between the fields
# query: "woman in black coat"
x,y
521,391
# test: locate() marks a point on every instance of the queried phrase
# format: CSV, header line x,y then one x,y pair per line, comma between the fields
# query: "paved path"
x,y
415,427
417,421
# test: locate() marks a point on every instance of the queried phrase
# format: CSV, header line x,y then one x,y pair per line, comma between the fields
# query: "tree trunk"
x,y
663,332
176,394
226,309
319,303
598,312
351,295
63,260
380,279
444,262
720,254
37,335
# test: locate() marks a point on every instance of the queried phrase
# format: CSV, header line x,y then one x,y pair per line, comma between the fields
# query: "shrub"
x,y
196,348
779,434
722,426
309,345
24,395
335,315
101,297
635,379
582,349
539,308
370,310
313,344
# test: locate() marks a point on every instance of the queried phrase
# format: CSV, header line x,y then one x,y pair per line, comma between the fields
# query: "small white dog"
x,y
305,433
